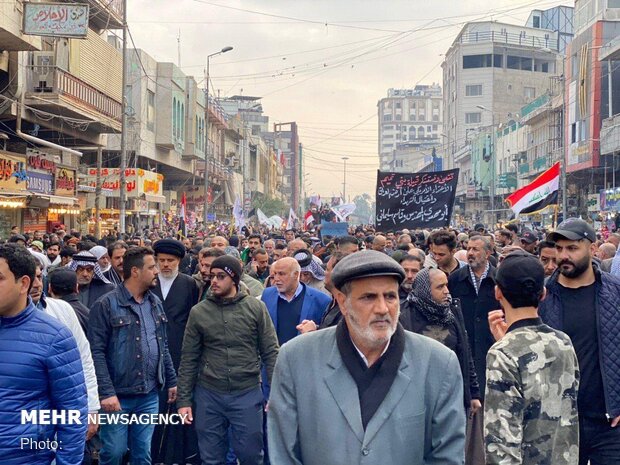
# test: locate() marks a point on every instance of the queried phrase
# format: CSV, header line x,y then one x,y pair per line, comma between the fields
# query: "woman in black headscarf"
x,y
431,311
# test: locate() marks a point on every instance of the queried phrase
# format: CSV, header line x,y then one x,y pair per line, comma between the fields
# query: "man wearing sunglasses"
x,y
227,337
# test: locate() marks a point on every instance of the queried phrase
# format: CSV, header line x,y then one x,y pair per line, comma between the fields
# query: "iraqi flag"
x,y
308,219
539,194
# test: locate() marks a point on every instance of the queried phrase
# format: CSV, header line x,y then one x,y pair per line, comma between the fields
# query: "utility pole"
x,y
344,184
98,192
123,163
206,173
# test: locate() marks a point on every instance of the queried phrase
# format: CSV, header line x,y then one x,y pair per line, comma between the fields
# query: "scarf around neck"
x,y
421,296
374,382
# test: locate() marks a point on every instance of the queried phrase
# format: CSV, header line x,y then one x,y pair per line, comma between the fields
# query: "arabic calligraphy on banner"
x,y
56,19
138,181
13,174
415,200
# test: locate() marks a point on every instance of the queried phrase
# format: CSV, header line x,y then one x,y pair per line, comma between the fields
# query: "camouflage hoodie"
x,y
530,409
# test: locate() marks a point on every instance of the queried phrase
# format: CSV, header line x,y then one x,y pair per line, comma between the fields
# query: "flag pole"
x,y
555,217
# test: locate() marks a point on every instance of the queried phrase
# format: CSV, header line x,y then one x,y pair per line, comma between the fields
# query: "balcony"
x,y
509,38
610,135
56,91
104,14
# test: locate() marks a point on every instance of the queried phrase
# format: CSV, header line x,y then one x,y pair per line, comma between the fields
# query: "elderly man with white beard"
x,y
179,293
408,408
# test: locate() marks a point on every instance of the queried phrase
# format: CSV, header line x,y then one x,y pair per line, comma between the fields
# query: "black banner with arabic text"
x,y
415,200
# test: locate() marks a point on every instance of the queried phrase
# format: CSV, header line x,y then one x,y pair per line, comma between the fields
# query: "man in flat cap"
x,y
366,391
179,293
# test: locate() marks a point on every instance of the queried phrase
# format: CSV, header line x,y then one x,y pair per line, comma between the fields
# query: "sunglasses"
x,y
218,276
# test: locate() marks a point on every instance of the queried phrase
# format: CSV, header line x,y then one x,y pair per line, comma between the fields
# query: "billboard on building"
x,y
56,19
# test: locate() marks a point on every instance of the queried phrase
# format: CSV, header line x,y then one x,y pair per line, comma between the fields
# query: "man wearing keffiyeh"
x,y
91,282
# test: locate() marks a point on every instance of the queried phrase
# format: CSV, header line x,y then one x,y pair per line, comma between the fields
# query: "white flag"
x,y
262,218
292,219
275,221
343,211
238,214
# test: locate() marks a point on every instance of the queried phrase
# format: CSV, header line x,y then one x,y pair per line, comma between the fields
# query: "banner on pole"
x,y
415,200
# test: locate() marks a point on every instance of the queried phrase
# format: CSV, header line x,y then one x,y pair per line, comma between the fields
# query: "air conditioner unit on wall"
x,y
231,162
43,64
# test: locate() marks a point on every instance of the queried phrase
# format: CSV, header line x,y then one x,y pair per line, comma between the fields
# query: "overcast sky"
x,y
322,63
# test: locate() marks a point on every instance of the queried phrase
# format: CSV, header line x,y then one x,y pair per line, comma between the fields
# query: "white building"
x,y
408,117
490,71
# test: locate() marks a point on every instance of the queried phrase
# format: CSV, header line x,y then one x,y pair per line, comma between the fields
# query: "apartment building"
x,y
61,96
408,118
490,71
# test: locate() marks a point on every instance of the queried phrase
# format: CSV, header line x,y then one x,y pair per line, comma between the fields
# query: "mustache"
x,y
386,319
565,262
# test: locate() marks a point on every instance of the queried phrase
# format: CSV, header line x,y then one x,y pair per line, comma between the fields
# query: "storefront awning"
x,y
57,199
12,194
105,192
155,198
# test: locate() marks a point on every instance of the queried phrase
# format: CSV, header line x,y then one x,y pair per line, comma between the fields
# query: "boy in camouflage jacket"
x,y
530,410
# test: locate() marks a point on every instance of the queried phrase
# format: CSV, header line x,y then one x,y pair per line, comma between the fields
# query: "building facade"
x,y
408,118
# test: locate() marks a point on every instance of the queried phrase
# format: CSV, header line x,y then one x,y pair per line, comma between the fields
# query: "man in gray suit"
x,y
366,391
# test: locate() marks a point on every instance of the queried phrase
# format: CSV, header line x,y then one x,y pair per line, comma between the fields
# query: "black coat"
x,y
97,289
475,308
414,320
176,443
183,295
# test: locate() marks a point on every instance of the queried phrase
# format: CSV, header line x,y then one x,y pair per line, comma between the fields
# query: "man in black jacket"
x,y
583,302
474,286
63,285
127,335
179,293
92,283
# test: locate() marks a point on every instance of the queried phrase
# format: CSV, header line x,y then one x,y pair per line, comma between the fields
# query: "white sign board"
x,y
56,19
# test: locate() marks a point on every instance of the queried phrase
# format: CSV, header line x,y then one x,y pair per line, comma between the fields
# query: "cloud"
x,y
338,86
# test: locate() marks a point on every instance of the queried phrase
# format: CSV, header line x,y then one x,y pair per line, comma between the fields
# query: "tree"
x,y
270,206
364,209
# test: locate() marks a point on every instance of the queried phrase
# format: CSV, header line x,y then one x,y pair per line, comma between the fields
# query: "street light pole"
x,y
206,172
493,161
344,184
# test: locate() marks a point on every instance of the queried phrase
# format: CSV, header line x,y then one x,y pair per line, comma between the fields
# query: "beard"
x,y
366,332
577,268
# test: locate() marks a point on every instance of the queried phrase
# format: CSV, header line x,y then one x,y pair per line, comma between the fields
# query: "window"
x,y
150,110
182,125
473,118
536,22
477,61
529,93
473,90
388,128
421,132
174,117
397,105
613,4
429,128
516,62
482,61
387,117
399,117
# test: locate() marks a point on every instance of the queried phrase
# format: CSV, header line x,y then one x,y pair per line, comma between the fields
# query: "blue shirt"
x,y
297,292
148,340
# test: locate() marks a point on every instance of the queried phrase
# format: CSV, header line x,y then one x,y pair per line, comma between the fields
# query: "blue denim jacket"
x,y
114,335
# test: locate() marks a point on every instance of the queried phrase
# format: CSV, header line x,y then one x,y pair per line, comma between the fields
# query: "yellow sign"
x,y
139,181
13,173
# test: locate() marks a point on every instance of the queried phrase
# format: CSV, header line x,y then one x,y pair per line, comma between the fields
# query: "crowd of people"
x,y
482,345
